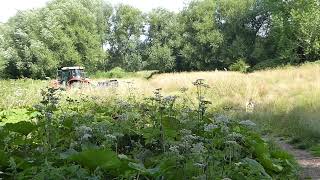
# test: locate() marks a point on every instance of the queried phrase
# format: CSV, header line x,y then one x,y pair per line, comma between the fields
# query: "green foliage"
x,y
159,137
240,65
19,94
118,72
93,158
163,40
202,38
316,150
65,33
160,57
205,35
22,127
125,38
268,64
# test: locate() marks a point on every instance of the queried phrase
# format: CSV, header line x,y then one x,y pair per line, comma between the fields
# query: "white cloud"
x,y
147,5
9,8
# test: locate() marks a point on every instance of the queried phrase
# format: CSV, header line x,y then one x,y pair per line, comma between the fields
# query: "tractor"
x,y
71,77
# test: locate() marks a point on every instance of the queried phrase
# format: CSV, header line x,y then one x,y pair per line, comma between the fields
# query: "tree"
x,y
201,36
243,24
160,58
2,46
306,20
205,35
125,40
164,40
75,32
65,33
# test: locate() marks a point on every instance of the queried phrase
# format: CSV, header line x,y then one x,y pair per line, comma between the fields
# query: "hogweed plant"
x,y
47,107
201,86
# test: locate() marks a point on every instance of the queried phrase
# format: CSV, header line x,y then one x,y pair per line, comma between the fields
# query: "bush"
x,y
269,64
240,65
116,72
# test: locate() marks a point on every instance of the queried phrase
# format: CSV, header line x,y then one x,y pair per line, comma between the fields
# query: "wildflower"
x,y
224,129
111,136
185,131
122,156
174,149
200,165
85,137
123,117
189,137
49,115
234,143
84,129
123,104
198,148
73,144
247,123
198,82
84,132
210,127
235,136
183,90
170,98
222,119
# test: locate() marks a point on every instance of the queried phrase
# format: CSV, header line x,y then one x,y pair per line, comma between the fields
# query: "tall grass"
x,y
121,73
287,100
20,93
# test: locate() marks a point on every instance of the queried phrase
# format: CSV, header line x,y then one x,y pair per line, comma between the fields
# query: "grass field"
x,y
286,100
283,102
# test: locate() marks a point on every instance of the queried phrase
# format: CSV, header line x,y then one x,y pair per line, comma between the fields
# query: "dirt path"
x,y
310,165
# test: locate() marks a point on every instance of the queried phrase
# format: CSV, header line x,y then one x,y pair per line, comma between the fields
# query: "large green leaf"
x,y
14,116
93,158
3,158
170,123
256,167
22,127
142,169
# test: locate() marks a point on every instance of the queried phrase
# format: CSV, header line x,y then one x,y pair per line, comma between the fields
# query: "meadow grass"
x,y
20,93
286,100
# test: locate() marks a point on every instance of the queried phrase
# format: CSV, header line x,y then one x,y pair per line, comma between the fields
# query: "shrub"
x,y
240,65
121,73
116,72
269,64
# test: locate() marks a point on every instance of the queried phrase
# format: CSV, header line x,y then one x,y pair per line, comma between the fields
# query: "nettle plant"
x,y
161,137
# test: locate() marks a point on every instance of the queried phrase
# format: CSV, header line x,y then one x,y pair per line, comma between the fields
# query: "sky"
x,y
9,8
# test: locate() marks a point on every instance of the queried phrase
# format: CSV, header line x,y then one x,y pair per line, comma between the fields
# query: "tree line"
x,y
205,35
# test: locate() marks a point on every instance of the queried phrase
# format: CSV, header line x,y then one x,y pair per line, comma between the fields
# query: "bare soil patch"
x,y
310,165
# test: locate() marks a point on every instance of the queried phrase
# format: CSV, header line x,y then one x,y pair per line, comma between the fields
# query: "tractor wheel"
x,y
75,84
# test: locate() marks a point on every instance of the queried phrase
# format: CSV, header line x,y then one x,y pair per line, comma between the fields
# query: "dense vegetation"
x,y
83,136
205,35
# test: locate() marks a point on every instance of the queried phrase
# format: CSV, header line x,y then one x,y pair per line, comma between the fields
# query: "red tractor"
x,y
71,77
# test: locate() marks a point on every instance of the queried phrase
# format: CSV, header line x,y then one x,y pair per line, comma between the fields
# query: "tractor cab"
x,y
70,75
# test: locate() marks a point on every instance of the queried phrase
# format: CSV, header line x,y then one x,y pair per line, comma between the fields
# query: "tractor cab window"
x,y
77,73
59,74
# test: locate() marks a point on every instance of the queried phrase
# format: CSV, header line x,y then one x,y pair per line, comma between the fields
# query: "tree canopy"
x,y
205,35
